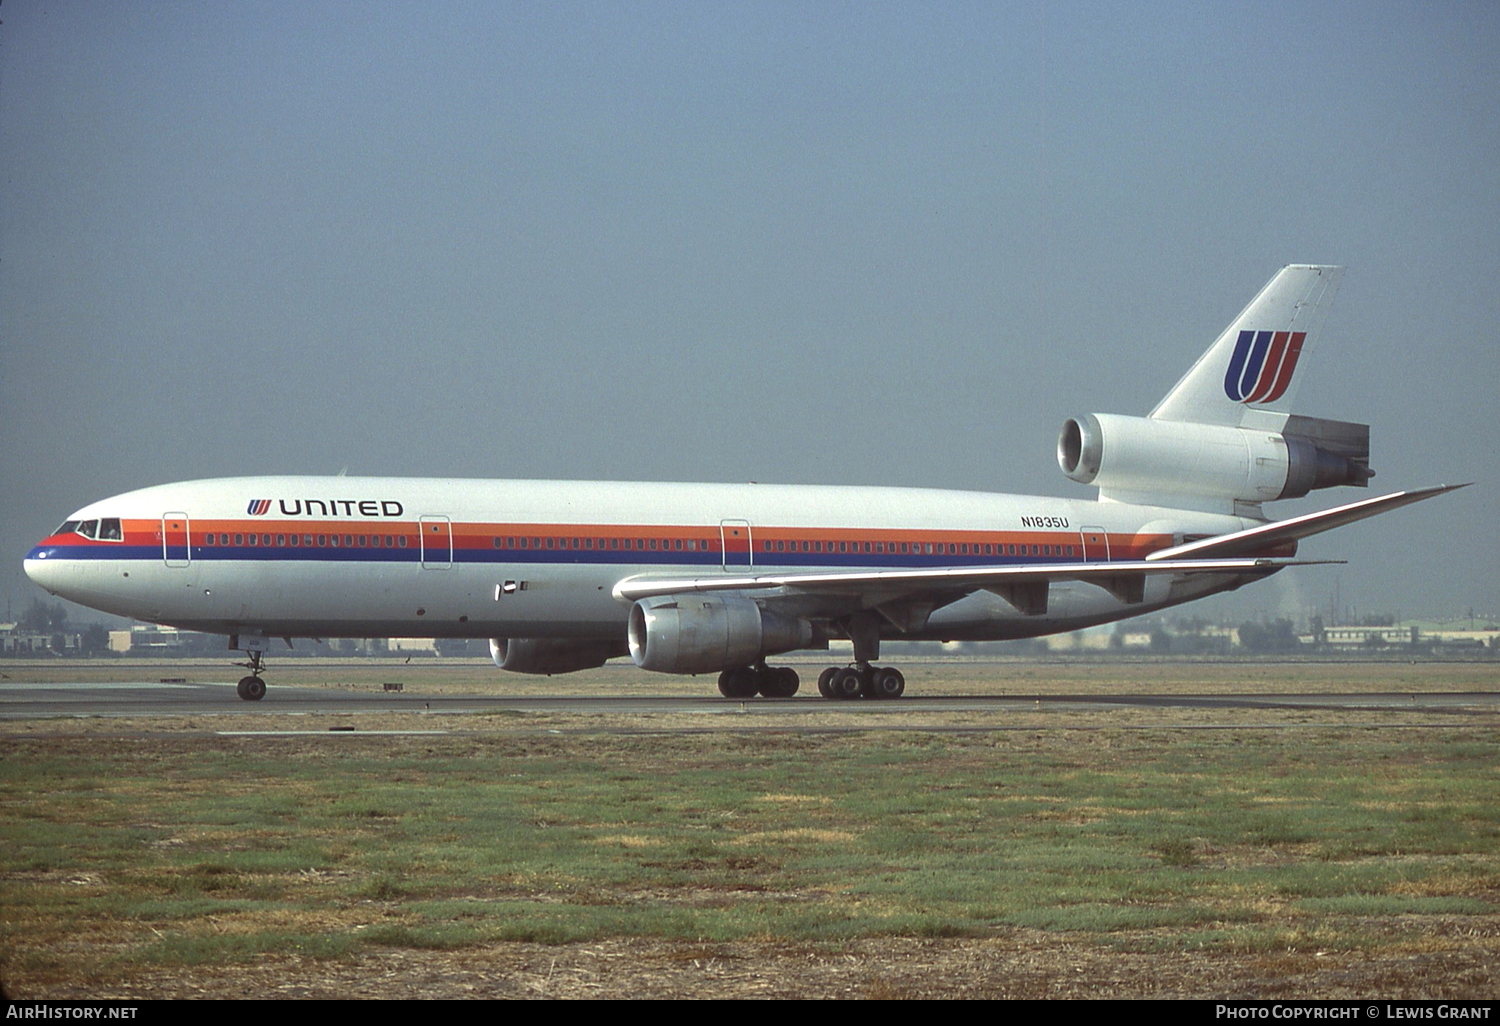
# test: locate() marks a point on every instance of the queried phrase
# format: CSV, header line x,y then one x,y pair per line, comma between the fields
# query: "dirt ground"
x,y
1023,964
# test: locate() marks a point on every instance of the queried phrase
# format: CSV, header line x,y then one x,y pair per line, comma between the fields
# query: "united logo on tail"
x,y
1262,365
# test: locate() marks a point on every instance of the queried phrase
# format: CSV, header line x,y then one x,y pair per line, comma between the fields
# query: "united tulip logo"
x,y
258,507
1262,365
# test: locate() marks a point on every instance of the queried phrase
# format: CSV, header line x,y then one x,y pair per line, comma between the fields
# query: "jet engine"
x,y
708,633
1138,456
551,655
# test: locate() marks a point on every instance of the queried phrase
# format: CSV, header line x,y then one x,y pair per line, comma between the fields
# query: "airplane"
x,y
715,578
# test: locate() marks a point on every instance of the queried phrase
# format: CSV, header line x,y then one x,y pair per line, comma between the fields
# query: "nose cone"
x,y
43,568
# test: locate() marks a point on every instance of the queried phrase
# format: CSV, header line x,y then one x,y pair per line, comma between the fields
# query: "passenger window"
x,y
401,541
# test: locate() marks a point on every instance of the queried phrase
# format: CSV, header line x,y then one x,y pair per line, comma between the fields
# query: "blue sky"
x,y
843,243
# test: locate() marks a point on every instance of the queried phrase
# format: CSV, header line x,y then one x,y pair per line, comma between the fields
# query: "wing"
x,y
1025,587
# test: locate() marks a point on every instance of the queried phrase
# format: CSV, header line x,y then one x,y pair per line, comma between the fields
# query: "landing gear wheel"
x,y
847,683
742,682
825,682
779,682
252,688
887,682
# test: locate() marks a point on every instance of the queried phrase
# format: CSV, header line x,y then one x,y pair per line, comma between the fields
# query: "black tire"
x,y
887,682
742,682
252,689
848,684
784,682
825,682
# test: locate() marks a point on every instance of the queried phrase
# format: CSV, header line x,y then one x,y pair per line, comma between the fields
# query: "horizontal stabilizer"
x,y
1260,539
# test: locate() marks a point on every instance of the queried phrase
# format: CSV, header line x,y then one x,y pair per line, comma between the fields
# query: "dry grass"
x,y
1343,858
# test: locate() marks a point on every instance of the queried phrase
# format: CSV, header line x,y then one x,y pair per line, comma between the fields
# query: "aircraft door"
x,y
437,542
176,548
734,542
1095,544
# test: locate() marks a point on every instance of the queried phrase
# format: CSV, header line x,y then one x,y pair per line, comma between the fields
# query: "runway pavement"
x,y
20,700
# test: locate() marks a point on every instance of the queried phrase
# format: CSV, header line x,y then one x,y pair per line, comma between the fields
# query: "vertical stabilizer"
x,y
1254,364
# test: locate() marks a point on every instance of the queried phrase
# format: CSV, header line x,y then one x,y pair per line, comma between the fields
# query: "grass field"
x,y
1328,860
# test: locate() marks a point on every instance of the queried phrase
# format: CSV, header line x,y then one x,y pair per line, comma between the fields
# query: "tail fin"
x,y
1253,364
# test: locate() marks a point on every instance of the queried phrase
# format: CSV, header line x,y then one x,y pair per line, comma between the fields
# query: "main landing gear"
x,y
861,681
748,681
252,688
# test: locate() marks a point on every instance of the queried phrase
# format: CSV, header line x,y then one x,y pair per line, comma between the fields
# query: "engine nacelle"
x,y
1150,457
551,655
707,633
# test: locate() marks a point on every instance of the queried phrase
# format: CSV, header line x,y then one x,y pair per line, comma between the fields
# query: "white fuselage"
x,y
377,557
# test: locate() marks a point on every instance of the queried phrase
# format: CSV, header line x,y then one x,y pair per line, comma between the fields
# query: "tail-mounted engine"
x,y
1133,457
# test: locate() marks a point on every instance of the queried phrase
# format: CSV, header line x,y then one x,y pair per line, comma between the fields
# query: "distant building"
x,y
149,638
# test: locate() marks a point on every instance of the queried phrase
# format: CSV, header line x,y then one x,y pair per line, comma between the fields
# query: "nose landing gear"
x,y
252,688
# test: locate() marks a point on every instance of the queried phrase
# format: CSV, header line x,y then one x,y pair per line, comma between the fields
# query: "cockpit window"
x,y
107,529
